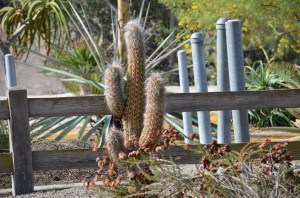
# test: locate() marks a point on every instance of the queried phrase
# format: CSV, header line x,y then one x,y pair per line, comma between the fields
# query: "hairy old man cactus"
x,y
142,114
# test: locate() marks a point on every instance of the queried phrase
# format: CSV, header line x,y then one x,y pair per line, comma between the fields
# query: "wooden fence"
x,y
17,108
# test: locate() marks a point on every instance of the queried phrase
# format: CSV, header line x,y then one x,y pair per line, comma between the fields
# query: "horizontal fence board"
x,y
6,165
181,156
85,158
65,159
64,106
240,100
176,102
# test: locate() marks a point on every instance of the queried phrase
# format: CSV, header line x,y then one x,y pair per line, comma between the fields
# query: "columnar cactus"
x,y
154,112
114,88
133,115
115,143
140,120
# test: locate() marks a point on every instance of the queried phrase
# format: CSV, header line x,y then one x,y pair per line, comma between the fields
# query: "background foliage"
x,y
270,25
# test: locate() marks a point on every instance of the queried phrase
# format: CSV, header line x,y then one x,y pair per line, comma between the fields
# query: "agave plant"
x,y
261,77
290,78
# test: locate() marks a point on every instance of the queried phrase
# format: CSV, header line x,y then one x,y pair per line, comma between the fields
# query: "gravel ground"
x,y
66,193
54,145
56,177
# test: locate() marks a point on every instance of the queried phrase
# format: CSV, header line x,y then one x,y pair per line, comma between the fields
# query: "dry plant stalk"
x,y
257,171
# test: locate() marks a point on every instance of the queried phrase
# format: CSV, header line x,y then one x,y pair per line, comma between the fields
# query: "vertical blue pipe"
x,y
184,87
201,85
224,127
10,71
237,77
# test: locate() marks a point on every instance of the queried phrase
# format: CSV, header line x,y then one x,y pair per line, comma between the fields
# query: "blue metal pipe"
x,y
201,85
224,117
237,77
11,80
184,87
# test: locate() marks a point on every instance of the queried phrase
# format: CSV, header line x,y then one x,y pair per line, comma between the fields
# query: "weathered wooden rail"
x,y
17,108
175,102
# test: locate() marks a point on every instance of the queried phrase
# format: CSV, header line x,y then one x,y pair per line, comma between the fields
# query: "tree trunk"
x,y
123,15
172,57
4,49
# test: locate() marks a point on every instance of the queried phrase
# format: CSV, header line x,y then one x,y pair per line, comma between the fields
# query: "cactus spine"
x,y
140,122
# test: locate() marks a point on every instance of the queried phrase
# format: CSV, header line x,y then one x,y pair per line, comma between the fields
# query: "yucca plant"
x,y
25,20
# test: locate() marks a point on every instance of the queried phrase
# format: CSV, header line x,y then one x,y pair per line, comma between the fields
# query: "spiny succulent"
x,y
142,114
115,143
133,115
154,112
114,88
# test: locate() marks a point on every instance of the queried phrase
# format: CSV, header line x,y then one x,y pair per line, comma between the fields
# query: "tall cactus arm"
x,y
153,116
133,114
113,79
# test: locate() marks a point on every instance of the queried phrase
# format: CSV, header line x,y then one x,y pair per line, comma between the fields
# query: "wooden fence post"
x,y
20,145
